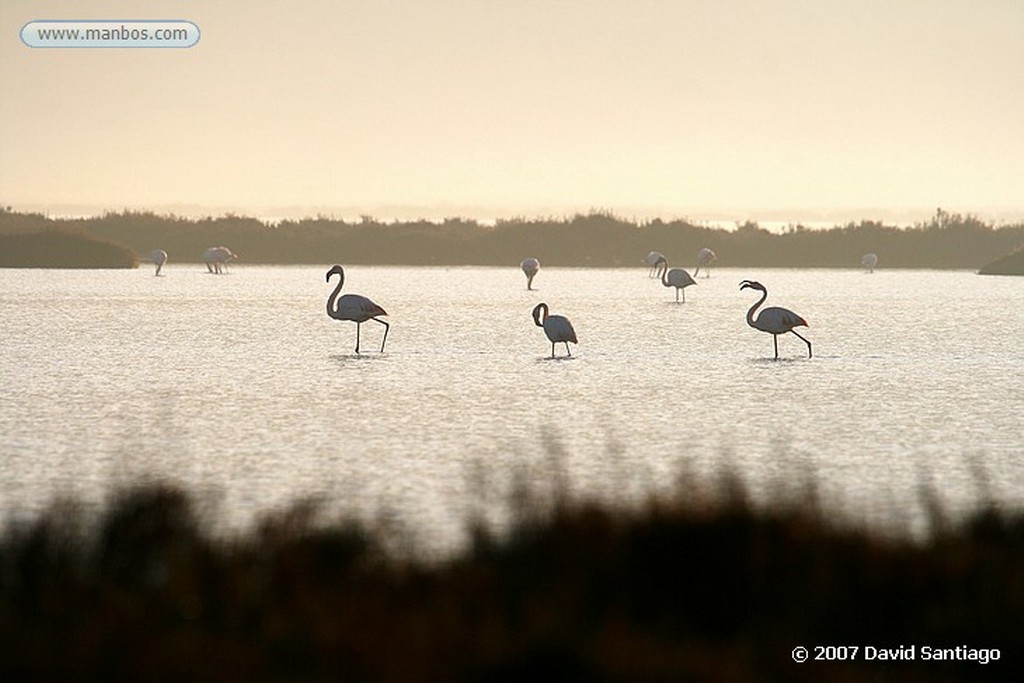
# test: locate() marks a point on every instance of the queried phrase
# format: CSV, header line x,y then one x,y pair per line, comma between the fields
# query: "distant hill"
x,y
62,249
1011,264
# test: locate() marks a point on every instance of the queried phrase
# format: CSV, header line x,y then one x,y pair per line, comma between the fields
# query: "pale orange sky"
x,y
485,108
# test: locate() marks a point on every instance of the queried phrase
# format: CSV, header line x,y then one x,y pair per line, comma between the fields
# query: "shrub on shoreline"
x,y
1010,264
62,249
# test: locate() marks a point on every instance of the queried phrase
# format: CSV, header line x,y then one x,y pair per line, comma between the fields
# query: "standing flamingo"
x,y
354,307
216,259
530,266
704,258
653,261
773,319
869,261
556,327
159,258
677,277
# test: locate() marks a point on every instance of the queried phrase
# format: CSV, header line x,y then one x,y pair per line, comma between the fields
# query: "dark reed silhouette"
x,y
712,590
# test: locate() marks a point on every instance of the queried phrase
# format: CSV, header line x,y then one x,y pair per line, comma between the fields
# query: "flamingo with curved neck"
x,y
869,261
354,307
530,266
773,320
556,327
159,258
677,277
704,258
654,261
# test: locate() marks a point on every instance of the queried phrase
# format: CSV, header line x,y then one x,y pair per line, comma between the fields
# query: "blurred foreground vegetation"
x,y
675,591
599,239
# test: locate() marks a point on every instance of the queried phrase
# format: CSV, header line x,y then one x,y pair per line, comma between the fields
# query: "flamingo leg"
x,y
806,341
567,349
775,338
358,325
386,328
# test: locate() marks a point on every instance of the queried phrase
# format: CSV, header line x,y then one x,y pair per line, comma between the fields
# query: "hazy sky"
x,y
479,107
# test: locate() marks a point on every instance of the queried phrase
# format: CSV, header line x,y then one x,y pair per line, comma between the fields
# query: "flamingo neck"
x,y
331,309
750,313
540,314
664,272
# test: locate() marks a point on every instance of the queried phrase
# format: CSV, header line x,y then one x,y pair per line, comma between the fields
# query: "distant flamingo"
x,y
216,259
869,261
530,266
556,327
354,307
159,258
773,320
704,258
653,261
677,277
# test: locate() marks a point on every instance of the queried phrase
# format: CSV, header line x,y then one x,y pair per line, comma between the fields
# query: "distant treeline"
x,y
948,240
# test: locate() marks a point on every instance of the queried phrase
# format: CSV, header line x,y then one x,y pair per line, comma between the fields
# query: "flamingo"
x,y
159,258
869,261
773,319
556,327
677,277
653,260
354,307
530,266
216,259
704,258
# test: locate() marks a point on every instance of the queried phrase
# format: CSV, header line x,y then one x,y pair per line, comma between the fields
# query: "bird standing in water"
x,y
556,327
704,258
354,307
677,277
774,320
530,267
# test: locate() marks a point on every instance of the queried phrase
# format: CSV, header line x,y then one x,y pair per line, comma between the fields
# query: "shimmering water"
x,y
240,385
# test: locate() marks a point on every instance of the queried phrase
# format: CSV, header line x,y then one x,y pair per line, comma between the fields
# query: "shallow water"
x,y
240,385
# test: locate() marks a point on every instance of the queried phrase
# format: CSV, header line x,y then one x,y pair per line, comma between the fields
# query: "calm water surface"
x,y
241,386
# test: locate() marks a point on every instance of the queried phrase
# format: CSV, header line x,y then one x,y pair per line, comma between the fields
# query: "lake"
x,y
240,387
